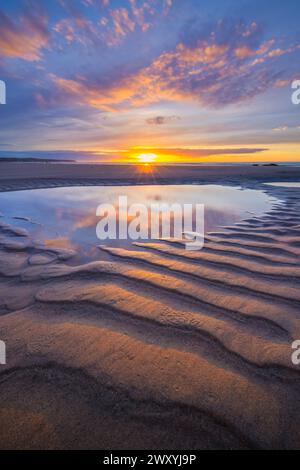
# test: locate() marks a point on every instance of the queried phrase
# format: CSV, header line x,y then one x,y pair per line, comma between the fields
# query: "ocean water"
x,y
66,217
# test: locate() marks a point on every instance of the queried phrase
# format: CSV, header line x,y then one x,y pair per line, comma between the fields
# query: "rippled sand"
x,y
156,348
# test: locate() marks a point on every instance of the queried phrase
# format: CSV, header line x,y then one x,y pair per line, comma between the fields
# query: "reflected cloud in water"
x,y
66,217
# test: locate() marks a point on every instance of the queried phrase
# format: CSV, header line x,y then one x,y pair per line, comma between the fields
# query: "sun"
x,y
147,157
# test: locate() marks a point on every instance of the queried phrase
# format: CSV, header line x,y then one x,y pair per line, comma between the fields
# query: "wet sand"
x,y
16,176
157,347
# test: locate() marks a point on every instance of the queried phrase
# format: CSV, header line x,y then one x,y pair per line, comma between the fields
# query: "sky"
x,y
183,80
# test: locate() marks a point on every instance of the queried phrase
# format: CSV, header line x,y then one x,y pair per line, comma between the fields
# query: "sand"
x,y
156,347
16,176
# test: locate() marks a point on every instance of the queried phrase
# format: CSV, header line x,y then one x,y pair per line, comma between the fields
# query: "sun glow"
x,y
147,157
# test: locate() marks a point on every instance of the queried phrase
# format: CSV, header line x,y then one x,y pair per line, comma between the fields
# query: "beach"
x,y
16,176
154,347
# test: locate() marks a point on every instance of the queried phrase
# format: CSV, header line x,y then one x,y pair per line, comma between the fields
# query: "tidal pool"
x,y
66,217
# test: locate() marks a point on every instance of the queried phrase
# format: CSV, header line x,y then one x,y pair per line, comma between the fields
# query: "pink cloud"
x,y
24,38
122,23
114,24
212,71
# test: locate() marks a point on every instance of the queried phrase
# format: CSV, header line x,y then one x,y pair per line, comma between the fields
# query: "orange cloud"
x,y
244,51
282,83
24,38
212,72
276,53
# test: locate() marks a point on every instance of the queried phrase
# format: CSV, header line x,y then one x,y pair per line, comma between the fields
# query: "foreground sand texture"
x,y
156,347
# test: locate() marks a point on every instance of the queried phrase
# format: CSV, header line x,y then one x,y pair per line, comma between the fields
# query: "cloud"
x,y
114,24
199,152
76,27
282,83
67,29
127,155
123,24
111,29
160,120
24,37
280,129
218,66
147,13
285,128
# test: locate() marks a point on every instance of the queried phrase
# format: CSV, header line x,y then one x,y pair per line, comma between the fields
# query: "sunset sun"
x,y
147,157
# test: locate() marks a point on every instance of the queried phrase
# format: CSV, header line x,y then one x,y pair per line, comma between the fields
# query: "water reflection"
x,y
66,217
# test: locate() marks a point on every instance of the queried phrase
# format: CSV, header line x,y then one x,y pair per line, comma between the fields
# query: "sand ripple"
x,y
156,347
